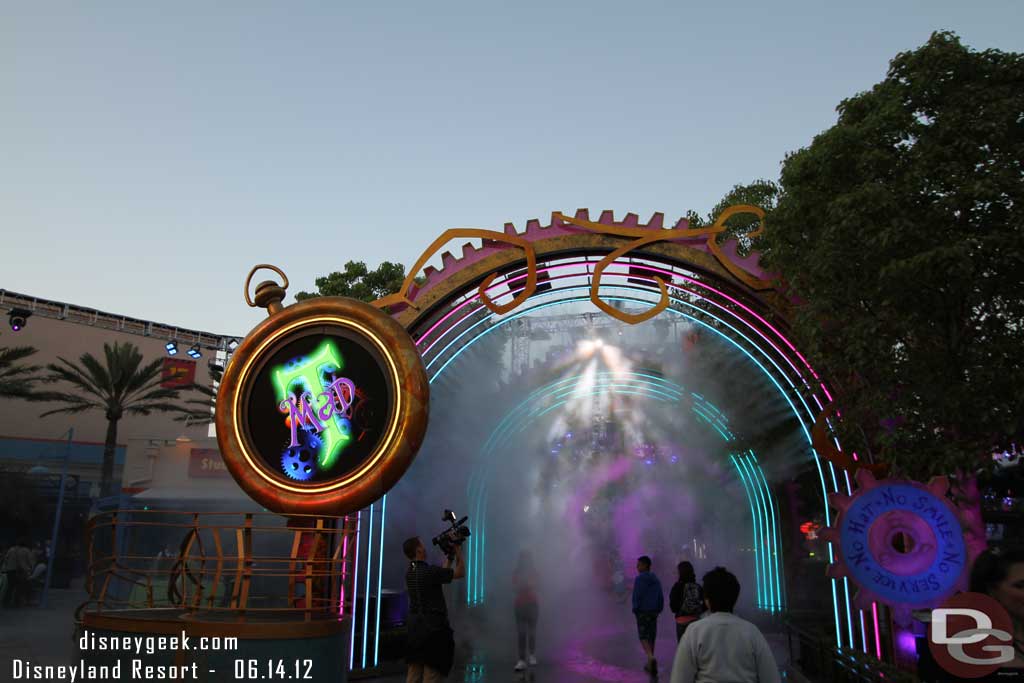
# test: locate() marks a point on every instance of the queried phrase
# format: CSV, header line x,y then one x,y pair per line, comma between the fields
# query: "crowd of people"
x,y
713,643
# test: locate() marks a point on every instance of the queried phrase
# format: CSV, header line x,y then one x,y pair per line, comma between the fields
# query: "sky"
x,y
152,153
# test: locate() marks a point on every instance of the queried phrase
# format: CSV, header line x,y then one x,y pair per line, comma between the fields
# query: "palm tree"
x,y
121,386
16,379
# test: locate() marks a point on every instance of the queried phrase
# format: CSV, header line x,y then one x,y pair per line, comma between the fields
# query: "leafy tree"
x,y
16,378
897,236
762,193
358,282
120,385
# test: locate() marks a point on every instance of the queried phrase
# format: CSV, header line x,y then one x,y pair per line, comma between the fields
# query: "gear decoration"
x,y
299,463
746,269
900,541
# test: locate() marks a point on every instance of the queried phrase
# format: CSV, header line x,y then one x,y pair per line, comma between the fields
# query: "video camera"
x,y
453,536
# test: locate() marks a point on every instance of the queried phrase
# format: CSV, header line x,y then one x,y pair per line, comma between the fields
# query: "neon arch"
x,y
698,283
542,401
837,591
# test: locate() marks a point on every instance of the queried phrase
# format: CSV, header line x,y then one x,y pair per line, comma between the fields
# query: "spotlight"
x,y
194,351
172,348
232,345
18,317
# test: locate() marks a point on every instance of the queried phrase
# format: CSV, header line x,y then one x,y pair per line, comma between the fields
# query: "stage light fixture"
x,y
232,345
194,351
172,348
18,318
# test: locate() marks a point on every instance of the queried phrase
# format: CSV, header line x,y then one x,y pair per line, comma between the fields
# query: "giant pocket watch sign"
x,y
323,405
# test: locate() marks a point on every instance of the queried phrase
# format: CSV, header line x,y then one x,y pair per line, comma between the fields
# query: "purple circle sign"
x,y
902,543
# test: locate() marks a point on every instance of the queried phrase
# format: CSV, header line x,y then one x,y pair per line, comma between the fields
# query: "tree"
x,y
358,282
16,378
119,386
897,235
761,193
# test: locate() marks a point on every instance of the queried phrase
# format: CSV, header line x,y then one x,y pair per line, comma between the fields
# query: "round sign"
x,y
322,407
902,543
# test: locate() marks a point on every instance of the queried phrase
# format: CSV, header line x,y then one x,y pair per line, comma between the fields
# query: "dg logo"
x,y
971,635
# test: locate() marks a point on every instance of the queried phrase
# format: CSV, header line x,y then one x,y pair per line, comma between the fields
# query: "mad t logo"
x,y
318,404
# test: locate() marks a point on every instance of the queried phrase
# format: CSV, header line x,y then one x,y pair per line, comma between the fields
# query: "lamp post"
x,y
184,437
56,520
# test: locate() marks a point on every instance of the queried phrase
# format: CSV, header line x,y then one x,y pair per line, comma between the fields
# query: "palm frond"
x,y
149,378
10,355
159,395
17,380
154,406
75,402
142,380
123,361
72,374
96,372
17,389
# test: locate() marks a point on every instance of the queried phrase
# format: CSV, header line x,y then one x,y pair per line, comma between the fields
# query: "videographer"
x,y
430,647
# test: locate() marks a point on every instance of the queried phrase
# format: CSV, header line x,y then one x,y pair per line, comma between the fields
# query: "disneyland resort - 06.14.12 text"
x,y
135,667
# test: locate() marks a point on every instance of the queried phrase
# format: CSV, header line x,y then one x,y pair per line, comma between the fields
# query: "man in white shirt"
x,y
721,647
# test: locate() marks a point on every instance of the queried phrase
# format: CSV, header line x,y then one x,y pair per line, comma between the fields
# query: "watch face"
x,y
318,406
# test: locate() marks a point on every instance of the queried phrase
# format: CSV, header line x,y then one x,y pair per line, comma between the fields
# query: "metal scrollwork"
x,y
401,297
647,236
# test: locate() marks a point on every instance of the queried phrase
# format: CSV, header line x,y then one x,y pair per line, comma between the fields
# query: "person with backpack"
x,y
686,599
722,646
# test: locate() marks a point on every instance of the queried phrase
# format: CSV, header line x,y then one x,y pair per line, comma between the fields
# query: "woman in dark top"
x,y
686,599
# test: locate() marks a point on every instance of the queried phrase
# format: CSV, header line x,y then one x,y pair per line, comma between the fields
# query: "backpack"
x,y
692,602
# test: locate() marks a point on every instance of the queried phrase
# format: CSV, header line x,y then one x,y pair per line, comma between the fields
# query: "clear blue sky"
x,y
151,153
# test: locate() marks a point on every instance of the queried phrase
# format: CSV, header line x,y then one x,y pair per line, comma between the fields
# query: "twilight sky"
x,y
151,153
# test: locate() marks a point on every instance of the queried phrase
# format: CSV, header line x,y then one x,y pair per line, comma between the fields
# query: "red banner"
x,y
178,373
206,463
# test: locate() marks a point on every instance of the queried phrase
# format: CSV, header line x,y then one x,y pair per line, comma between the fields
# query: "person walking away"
x,y
648,602
524,582
17,567
686,599
722,646
430,644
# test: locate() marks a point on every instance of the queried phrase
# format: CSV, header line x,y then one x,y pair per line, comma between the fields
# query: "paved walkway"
x,y
41,635
600,646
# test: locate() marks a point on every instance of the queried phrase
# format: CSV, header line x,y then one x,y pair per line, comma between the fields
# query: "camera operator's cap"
x,y
323,406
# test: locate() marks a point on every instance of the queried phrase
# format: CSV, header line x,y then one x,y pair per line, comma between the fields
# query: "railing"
x,y
223,565
818,659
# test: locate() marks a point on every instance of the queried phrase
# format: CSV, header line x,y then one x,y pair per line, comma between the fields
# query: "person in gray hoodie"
x,y
648,602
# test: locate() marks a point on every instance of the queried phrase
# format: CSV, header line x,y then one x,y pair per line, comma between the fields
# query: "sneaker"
x,y
520,665
533,660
